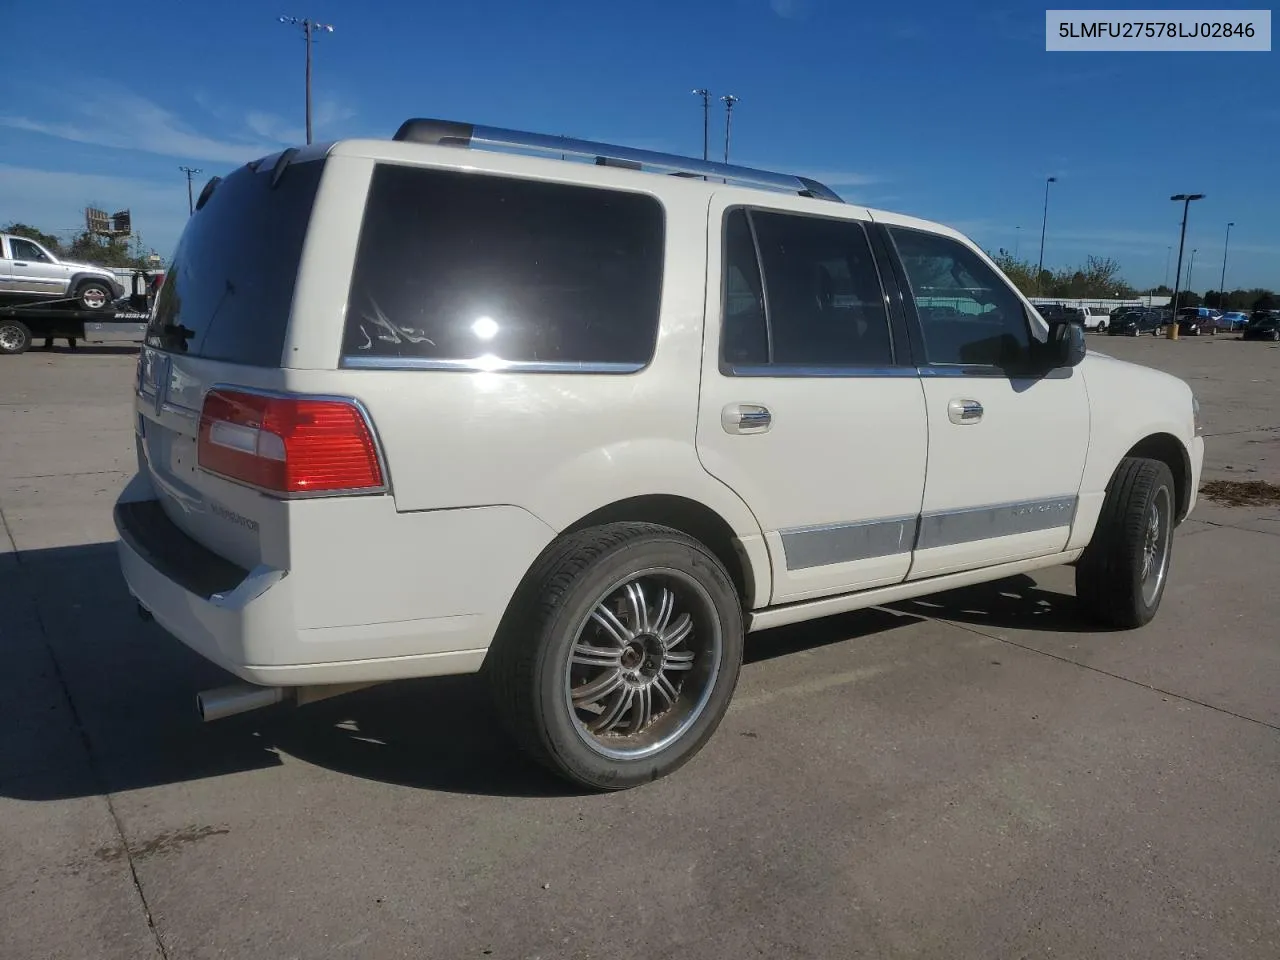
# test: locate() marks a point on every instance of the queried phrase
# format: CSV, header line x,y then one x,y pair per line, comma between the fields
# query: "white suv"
x,y
436,406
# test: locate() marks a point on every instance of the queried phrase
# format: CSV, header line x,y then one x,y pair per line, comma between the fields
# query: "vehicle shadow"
x,y
99,701
1015,603
87,349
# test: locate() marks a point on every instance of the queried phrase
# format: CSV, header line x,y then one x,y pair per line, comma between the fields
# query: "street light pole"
x,y
705,94
309,29
1043,225
1185,199
190,172
1191,265
1168,253
1222,284
1017,241
729,100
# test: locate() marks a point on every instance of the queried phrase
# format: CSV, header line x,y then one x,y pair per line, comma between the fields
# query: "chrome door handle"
x,y
746,418
964,411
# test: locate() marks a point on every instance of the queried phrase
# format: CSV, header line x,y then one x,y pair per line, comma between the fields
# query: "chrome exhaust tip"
x,y
236,698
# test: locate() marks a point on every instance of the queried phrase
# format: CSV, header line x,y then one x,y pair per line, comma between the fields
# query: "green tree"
x,y
1265,302
1021,273
90,249
46,240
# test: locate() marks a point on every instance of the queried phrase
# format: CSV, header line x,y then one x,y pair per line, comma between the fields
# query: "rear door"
x,y
1006,446
6,268
222,317
810,409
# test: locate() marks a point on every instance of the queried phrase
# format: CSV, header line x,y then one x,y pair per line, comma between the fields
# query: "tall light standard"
x,y
1168,253
309,29
190,172
706,121
1191,265
729,100
1222,284
1017,241
1185,199
1043,224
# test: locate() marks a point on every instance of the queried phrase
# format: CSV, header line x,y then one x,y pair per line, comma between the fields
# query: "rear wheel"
x,y
15,337
93,295
1120,578
617,659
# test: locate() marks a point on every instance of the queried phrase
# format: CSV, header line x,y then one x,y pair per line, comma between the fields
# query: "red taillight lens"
x,y
288,444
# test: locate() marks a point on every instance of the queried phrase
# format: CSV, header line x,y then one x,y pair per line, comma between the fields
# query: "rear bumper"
x,y
278,627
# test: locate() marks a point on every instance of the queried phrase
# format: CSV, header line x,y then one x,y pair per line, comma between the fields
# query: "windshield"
x,y
229,289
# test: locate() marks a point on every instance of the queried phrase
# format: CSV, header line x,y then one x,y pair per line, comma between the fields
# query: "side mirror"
x,y
1065,346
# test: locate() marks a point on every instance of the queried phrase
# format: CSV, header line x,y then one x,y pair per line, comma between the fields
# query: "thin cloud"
x,y
791,9
150,128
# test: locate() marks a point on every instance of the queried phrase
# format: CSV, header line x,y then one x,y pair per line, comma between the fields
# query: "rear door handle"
x,y
964,411
746,418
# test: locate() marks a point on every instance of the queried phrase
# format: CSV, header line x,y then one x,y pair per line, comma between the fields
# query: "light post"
x,y
1043,225
1185,199
729,100
1017,240
1168,253
309,29
706,121
1222,283
190,172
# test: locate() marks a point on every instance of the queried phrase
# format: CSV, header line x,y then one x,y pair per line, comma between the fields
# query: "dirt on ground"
x,y
1242,493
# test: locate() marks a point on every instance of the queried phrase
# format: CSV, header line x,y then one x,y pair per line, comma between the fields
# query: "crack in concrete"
x,y
83,733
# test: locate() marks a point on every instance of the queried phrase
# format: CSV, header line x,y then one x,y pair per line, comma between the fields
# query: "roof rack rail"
x,y
451,133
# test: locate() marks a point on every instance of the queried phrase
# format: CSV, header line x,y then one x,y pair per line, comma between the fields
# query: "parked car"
x,y
1193,320
1097,319
1060,312
31,274
1137,322
1263,325
549,431
1234,320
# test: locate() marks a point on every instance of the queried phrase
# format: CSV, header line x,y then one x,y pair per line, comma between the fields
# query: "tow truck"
x,y
125,321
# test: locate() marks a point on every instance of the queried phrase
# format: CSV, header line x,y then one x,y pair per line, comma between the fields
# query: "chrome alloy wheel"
x,y
1155,545
643,664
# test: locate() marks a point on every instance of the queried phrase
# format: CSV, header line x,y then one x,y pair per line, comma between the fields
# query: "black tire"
x,y
15,336
93,295
1110,583
533,682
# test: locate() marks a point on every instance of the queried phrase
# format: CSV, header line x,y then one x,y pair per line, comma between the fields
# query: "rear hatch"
x,y
221,318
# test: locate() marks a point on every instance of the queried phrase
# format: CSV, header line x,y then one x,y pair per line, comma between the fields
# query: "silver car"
x,y
31,274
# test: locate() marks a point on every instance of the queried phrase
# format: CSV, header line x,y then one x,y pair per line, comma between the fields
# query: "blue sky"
x,y
932,109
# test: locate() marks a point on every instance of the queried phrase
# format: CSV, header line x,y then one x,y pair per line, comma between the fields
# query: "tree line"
x,y
1098,278
86,248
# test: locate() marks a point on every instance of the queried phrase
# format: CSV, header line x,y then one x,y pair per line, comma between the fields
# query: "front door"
x,y
810,408
1006,447
34,271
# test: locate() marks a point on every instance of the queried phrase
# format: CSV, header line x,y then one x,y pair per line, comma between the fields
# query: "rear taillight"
x,y
289,445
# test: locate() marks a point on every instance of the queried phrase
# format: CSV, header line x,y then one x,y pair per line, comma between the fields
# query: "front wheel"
x,y
1121,577
93,295
619,654
15,337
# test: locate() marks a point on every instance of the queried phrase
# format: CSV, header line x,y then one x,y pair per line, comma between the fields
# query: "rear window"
x,y
474,270
229,289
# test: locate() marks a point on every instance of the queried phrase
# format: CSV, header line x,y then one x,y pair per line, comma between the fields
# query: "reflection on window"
x,y
969,315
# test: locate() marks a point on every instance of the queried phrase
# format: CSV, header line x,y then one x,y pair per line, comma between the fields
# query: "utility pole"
x,y
729,100
190,172
1017,240
705,94
309,29
1043,224
1222,284
1185,199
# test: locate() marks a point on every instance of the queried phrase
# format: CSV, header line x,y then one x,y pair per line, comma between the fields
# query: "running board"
x,y
845,602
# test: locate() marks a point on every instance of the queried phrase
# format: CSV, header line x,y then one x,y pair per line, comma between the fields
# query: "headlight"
x,y
1195,415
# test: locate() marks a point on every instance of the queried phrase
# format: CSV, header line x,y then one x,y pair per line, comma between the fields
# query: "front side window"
x,y
479,270
969,315
820,305
26,250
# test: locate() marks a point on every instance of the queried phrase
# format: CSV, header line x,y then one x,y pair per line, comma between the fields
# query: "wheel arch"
x,y
689,517
1168,449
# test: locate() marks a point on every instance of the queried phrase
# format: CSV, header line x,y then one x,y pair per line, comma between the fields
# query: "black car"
x,y
1263,325
1137,322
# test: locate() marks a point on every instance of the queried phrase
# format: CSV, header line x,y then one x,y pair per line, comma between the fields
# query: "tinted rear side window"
x,y
229,290
486,270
